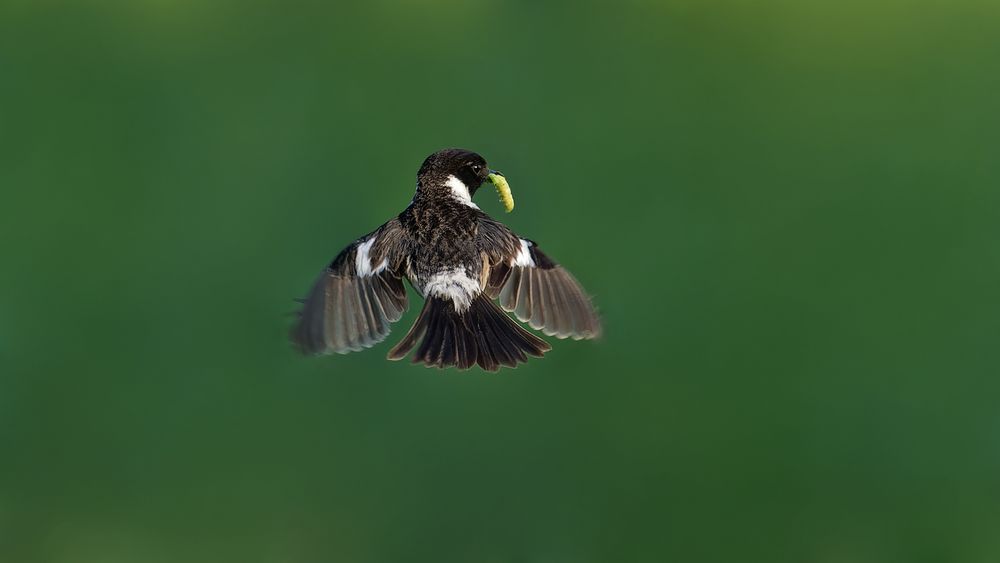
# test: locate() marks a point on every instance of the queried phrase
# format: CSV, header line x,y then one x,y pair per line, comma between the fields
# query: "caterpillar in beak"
x,y
503,190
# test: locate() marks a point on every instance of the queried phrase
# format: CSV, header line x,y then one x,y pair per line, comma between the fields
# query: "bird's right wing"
x,y
534,287
352,303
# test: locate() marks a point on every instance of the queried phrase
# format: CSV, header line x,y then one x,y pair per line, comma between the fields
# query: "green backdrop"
x,y
787,212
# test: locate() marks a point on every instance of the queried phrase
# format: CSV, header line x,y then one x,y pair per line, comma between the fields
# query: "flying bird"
x,y
460,260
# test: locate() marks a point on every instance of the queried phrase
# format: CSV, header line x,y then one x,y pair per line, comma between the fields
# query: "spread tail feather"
x,y
483,334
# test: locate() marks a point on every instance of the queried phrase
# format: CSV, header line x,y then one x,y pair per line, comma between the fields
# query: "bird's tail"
x,y
483,334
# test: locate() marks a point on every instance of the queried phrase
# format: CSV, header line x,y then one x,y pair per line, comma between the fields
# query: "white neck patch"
x,y
460,191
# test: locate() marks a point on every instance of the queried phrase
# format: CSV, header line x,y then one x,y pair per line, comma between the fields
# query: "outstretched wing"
x,y
531,285
352,303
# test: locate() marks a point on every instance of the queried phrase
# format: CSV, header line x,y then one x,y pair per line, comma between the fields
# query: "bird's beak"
x,y
503,189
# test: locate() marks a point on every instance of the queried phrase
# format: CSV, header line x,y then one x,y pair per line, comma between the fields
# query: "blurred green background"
x,y
787,212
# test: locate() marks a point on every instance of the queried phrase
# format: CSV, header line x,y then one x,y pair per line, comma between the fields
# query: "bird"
x,y
470,269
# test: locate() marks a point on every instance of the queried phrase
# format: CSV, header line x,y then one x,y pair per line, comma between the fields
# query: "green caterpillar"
x,y
503,190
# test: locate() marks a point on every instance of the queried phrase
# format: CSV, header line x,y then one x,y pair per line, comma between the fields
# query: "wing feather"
x,y
535,288
352,304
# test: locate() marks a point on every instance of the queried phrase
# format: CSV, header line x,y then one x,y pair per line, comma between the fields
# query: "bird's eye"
x,y
476,167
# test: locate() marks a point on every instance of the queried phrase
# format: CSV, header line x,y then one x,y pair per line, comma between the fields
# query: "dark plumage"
x,y
460,259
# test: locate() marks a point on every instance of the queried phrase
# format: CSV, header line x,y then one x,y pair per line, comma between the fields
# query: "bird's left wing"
x,y
534,287
352,303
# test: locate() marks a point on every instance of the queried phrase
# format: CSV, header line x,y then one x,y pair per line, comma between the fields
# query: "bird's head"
x,y
458,173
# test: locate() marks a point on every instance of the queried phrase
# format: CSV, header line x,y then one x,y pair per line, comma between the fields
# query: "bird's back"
x,y
443,237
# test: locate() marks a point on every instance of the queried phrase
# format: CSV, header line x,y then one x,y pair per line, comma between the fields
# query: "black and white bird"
x,y
460,260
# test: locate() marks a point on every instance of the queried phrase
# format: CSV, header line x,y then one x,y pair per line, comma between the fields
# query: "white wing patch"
x,y
460,191
363,261
455,285
523,257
